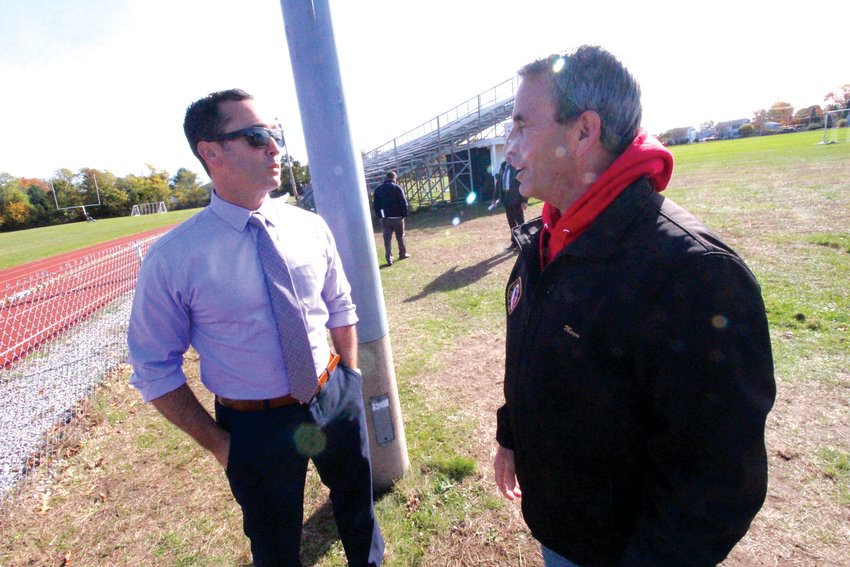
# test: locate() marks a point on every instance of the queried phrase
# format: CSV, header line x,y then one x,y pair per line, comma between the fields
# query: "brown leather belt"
x,y
273,403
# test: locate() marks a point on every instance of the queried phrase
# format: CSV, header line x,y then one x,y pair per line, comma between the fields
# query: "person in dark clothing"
x,y
390,206
638,370
507,191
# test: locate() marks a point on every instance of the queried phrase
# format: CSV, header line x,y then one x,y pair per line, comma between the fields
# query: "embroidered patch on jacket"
x,y
514,294
571,332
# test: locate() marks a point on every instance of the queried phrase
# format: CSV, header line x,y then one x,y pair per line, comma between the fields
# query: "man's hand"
x,y
505,470
222,451
183,409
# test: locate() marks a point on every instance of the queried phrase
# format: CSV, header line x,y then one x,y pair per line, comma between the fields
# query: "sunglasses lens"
x,y
258,137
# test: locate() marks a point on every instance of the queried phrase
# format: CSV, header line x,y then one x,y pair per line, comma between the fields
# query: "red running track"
x,y
27,324
15,273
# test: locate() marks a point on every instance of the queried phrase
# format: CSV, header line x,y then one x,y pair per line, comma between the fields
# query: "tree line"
x,y
810,117
31,203
782,113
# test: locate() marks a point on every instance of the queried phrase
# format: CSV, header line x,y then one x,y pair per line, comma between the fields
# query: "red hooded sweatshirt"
x,y
645,157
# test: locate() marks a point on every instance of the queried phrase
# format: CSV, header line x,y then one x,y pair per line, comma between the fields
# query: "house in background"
x,y
729,129
707,134
684,135
771,127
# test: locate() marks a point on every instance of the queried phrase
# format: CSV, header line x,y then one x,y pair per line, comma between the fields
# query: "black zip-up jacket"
x,y
389,200
638,378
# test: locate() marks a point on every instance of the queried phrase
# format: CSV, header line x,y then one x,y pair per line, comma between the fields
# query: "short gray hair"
x,y
591,78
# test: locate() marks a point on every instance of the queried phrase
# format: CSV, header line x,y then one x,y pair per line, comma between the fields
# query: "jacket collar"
x,y
600,239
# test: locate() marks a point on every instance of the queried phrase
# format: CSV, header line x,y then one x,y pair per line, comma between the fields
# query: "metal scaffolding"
x,y
434,161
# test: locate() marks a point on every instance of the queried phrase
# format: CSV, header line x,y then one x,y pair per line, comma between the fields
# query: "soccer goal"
x,y
148,209
835,126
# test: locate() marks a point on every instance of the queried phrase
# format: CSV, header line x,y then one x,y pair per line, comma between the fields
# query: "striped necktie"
x,y
291,327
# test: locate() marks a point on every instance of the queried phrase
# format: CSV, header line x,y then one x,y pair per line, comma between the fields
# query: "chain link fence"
x,y
61,332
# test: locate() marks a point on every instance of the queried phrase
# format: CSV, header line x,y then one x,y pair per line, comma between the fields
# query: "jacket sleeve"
x,y
503,428
402,201
499,178
706,369
377,202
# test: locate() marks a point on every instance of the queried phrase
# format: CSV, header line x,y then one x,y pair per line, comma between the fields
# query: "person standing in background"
x,y
507,191
390,206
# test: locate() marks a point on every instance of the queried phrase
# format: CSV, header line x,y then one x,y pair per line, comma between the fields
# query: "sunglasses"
x,y
257,136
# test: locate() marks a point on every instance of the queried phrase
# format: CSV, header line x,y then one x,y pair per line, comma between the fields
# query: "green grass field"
x,y
135,491
24,246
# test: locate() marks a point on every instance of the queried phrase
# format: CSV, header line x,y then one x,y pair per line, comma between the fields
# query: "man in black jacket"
x,y
638,371
390,206
507,191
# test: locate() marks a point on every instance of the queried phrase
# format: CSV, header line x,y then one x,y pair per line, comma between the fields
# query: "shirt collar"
x,y
236,216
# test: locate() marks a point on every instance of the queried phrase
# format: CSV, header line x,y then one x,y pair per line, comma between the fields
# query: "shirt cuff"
x,y
342,319
153,389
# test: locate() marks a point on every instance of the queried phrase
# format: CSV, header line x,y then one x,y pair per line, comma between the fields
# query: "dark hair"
x,y
591,78
390,175
204,119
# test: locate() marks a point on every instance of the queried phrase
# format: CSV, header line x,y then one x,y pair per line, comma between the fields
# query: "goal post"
x,y
835,126
76,186
148,209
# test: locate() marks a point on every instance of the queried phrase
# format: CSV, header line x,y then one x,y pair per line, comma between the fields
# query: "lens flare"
x,y
558,65
471,197
455,221
310,440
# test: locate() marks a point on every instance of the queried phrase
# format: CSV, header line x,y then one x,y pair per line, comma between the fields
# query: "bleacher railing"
x,y
61,332
505,90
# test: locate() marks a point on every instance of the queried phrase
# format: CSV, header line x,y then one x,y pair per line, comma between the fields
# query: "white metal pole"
x,y
339,187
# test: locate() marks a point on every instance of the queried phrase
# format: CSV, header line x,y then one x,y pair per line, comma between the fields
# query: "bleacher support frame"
x,y
433,161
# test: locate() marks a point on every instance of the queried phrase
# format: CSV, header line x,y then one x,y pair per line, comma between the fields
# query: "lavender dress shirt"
x,y
202,284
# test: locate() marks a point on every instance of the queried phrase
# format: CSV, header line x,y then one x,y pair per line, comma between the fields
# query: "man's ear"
x,y
208,152
589,130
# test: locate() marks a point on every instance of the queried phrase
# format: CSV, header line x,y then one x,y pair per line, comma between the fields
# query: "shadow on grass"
x,y
443,216
319,533
456,278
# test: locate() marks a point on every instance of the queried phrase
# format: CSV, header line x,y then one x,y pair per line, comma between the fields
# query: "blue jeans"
x,y
552,559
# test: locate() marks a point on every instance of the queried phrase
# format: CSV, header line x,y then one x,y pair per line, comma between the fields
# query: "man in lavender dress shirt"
x,y
202,285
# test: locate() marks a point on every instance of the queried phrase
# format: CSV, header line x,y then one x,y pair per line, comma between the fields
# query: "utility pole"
x,y
339,188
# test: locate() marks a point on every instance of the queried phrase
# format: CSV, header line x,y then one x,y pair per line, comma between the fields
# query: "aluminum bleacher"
x,y
434,161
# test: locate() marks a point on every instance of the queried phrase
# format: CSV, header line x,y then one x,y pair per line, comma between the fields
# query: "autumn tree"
x,y
67,194
808,115
780,112
15,207
759,119
41,199
17,215
187,192
113,201
152,188
838,99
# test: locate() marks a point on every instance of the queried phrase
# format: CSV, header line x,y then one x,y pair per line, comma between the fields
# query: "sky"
x,y
105,83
